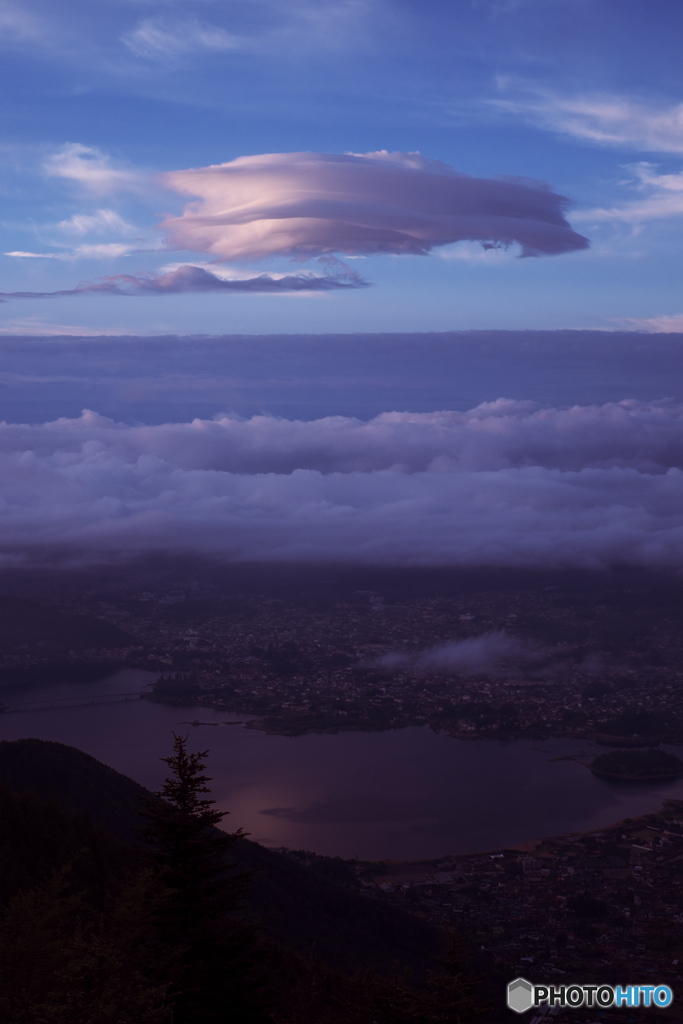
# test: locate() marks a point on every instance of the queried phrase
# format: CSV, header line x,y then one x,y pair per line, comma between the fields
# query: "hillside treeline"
x,y
162,927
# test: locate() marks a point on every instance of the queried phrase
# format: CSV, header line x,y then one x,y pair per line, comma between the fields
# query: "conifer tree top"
x,y
183,788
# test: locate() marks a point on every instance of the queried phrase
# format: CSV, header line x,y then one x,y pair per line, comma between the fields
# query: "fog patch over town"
x,y
490,652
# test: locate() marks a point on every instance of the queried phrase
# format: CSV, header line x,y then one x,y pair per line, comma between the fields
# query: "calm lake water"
x,y
406,793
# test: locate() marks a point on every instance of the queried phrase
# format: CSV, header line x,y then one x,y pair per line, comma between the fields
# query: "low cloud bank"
x,y
309,204
197,279
488,653
507,483
645,438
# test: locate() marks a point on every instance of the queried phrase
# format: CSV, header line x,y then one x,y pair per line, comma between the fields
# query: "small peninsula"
x,y
637,765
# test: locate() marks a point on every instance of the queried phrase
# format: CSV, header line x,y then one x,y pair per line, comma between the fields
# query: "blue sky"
x,y
338,174
109,106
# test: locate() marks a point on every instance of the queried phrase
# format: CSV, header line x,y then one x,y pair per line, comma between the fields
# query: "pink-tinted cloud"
x,y
197,279
399,203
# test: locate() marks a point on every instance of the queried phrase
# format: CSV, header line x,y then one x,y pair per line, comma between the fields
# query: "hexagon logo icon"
x,y
520,995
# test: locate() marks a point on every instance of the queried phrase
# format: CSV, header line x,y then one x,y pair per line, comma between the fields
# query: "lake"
x,y
400,794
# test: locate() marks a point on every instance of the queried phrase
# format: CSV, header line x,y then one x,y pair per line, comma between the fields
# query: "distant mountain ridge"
x,y
28,622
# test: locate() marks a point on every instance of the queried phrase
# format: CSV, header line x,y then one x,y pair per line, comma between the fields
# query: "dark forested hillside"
x,y
300,908
85,899
38,838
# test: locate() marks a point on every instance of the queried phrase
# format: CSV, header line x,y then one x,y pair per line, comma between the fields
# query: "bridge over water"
x,y
53,703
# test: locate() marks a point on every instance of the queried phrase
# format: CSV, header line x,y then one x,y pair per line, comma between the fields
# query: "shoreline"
x,y
639,821
269,726
666,776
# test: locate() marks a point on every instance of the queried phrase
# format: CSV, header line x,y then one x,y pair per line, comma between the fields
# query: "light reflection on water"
x,y
403,794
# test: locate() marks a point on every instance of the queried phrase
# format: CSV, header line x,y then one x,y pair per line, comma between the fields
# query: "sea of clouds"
x,y
506,483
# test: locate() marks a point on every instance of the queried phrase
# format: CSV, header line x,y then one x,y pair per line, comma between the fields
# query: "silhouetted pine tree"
x,y
214,954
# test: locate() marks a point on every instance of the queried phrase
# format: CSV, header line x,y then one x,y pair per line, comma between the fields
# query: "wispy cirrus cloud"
x,y
21,254
659,197
188,279
604,119
334,24
103,221
264,28
93,170
96,251
19,25
615,121
164,38
101,250
308,204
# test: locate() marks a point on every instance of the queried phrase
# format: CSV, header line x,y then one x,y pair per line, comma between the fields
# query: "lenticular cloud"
x,y
400,203
197,279
507,483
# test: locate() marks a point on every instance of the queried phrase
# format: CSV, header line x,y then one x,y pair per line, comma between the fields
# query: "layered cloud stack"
x,y
303,206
